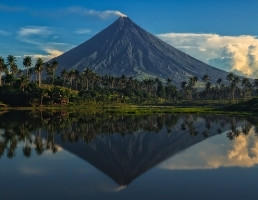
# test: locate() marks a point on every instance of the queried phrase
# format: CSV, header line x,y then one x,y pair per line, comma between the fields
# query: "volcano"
x,y
126,48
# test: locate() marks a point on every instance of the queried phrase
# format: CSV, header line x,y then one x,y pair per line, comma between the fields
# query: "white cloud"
x,y
90,12
54,52
230,53
34,30
49,54
83,31
36,35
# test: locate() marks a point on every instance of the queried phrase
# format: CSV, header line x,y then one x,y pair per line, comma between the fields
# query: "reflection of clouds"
x,y
28,170
217,152
119,188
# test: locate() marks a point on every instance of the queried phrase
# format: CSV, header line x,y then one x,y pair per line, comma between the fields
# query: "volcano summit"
x,y
125,48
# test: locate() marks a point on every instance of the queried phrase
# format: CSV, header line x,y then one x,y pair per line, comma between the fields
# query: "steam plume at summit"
x,y
101,14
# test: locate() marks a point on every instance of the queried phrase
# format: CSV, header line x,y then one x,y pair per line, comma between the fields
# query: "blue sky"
x,y
220,33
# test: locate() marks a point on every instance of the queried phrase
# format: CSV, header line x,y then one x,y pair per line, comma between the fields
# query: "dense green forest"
x,y
38,84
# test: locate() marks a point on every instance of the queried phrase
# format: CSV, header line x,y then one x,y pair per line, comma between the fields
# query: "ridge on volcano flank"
x,y
125,48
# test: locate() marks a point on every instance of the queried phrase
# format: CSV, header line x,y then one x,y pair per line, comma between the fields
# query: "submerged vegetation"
x,y
27,88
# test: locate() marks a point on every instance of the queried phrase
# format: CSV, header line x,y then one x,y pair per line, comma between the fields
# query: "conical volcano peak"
x,y
124,21
126,48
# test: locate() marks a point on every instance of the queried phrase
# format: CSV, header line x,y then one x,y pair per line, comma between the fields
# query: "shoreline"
x,y
131,109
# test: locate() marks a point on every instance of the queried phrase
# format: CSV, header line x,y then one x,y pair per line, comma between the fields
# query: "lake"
x,y
94,156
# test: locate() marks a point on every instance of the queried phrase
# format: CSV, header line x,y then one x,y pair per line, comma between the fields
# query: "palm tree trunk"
x,y
63,81
53,75
41,100
39,79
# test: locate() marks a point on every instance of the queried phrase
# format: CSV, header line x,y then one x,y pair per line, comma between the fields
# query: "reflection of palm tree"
x,y
256,130
26,151
207,124
88,127
193,131
39,146
205,133
219,130
12,146
246,128
2,148
230,135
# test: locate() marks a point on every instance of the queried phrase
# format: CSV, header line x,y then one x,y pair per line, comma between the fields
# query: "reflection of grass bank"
x,y
135,109
248,106
3,107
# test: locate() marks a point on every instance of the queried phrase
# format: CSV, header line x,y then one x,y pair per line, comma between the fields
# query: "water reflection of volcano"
x,y
121,146
125,157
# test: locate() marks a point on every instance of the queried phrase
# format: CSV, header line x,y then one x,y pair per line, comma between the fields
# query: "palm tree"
x,y
27,62
247,87
2,69
71,75
208,87
191,84
64,75
256,85
39,67
76,77
87,76
206,79
11,62
23,82
234,80
48,69
219,82
184,87
30,72
53,67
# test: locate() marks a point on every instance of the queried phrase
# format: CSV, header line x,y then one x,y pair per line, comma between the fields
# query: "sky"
x,y
222,33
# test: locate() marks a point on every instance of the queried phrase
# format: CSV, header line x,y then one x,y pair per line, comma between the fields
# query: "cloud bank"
x,y
34,30
83,31
230,53
36,35
100,14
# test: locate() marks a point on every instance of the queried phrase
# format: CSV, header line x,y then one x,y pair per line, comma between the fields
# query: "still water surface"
x,y
163,156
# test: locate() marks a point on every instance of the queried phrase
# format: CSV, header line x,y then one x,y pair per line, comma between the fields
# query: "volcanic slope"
x,y
126,48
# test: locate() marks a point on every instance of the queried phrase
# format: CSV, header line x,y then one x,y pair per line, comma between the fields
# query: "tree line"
x,y
72,85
